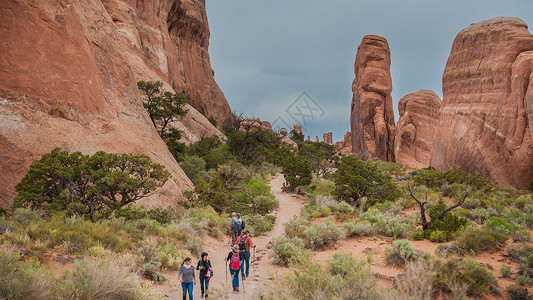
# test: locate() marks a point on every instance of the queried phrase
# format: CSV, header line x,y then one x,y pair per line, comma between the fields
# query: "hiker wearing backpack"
x,y
206,272
235,258
186,276
233,232
237,227
245,243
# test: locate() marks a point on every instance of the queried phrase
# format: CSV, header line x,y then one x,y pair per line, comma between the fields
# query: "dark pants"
x,y
235,282
187,286
204,281
247,260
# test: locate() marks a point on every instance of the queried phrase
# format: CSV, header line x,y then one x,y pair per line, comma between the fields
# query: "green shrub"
x,y
151,271
296,227
193,166
286,249
523,279
499,224
478,277
297,171
345,208
344,278
322,234
171,258
400,253
26,216
4,224
521,235
438,236
355,179
259,225
515,292
24,280
506,271
418,280
474,240
388,224
148,253
358,229
105,279
471,203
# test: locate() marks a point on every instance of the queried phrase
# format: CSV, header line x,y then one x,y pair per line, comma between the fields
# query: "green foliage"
x,y
443,229
434,178
298,137
322,234
106,279
322,157
355,179
500,225
193,166
344,278
211,150
388,224
400,253
24,280
259,225
523,279
506,271
297,172
478,277
474,240
296,227
286,249
26,216
88,185
254,147
162,106
515,292
345,208
358,229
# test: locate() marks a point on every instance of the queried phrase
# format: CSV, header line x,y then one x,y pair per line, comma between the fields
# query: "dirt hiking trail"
x,y
260,272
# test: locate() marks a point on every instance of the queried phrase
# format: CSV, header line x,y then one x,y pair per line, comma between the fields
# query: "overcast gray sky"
x,y
267,53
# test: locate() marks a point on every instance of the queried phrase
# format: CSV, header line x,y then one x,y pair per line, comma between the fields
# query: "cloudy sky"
x,y
288,60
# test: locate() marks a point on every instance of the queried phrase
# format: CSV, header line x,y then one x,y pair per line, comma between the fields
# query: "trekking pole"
x,y
226,267
255,261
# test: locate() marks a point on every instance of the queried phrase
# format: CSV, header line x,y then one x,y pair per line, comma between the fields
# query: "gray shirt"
x,y
187,274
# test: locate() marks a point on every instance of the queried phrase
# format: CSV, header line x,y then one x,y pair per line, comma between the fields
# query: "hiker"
x,y
232,222
206,271
235,258
186,276
239,225
245,243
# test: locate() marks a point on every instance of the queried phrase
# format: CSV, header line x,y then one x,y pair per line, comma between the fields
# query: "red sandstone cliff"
x,y
485,122
68,74
372,117
415,130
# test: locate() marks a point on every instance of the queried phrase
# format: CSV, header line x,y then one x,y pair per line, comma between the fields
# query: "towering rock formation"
x,y
297,128
415,130
372,117
68,79
346,144
328,138
485,124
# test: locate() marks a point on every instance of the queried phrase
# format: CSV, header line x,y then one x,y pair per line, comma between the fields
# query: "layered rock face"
x,y
68,74
328,138
413,143
372,117
168,40
485,122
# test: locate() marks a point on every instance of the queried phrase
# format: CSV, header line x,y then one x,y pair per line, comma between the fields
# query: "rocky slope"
x,y
485,123
372,117
413,142
68,74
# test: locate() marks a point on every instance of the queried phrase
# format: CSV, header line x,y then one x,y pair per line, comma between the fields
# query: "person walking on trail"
x,y
239,225
245,243
186,276
235,258
232,228
206,271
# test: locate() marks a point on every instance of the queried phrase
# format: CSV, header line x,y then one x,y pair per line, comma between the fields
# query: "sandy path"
x,y
289,206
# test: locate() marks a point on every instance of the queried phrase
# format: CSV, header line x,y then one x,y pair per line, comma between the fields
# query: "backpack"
x,y
237,226
242,243
209,273
243,225
235,263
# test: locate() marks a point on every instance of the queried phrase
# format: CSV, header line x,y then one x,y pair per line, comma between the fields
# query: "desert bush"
x,y
93,186
523,279
521,235
194,245
171,258
388,224
26,216
322,234
515,292
417,281
105,279
344,278
506,271
286,249
400,253
499,224
474,240
322,186
482,214
4,224
327,201
24,280
151,271
296,227
259,225
148,253
478,277
345,208
297,171
193,166
471,203
358,229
